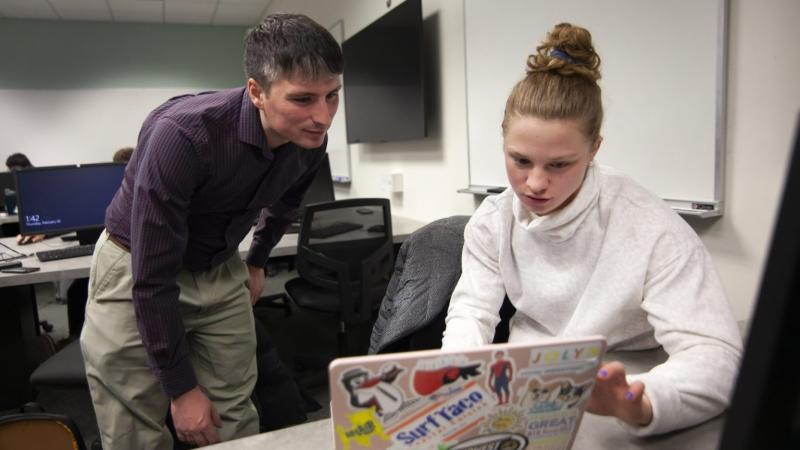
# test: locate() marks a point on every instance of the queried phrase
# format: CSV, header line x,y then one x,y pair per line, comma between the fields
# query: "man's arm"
x,y
165,181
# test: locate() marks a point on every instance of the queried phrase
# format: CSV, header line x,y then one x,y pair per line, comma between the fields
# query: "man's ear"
x,y
255,92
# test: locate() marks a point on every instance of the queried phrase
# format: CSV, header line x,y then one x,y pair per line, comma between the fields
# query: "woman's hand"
x,y
613,396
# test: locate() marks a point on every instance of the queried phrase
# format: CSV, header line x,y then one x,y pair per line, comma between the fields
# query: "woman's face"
x,y
546,161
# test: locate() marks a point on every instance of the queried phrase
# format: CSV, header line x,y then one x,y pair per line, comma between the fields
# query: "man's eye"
x,y
522,161
301,100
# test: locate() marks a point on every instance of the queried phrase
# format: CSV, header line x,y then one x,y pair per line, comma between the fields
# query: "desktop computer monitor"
x,y
61,199
765,408
321,190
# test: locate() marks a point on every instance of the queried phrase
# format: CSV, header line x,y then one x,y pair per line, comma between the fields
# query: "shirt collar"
x,y
250,129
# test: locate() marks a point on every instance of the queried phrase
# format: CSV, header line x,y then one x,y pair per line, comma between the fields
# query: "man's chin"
x,y
308,143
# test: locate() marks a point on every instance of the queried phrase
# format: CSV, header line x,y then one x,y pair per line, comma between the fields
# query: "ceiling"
x,y
201,12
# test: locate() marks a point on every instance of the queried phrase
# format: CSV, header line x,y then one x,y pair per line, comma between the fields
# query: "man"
x,y
18,161
169,324
123,155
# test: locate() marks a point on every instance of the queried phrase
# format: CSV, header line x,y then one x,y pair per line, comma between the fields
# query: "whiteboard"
x,y
338,149
69,126
663,67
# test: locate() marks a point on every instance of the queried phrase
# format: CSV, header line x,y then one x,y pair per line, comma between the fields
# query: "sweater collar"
x,y
562,224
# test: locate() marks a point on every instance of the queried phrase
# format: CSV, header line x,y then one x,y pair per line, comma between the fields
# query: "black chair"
x,y
63,369
39,431
413,311
344,262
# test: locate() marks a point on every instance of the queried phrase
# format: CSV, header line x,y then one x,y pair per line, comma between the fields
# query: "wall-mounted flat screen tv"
x,y
383,78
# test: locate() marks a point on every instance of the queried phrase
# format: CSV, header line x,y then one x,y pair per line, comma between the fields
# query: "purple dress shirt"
x,y
201,174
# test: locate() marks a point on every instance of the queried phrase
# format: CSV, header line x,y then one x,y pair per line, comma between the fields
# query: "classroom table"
x,y
19,317
72,268
595,432
8,218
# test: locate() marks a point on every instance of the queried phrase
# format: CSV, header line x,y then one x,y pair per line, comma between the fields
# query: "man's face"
x,y
296,109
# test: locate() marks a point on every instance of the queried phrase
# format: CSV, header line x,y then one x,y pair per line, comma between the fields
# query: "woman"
x,y
581,249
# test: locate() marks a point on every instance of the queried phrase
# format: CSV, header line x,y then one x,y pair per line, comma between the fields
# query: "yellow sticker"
x,y
365,425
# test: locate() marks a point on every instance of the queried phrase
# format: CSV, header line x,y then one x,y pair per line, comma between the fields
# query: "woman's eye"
x,y
560,165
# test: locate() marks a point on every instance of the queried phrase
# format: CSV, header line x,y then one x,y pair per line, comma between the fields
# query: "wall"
x,y
432,168
763,106
763,100
763,96
76,91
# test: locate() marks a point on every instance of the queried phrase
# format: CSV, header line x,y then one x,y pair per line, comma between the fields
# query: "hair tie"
x,y
562,55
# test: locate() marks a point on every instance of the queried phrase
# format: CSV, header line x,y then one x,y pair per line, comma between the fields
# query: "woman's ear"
x,y
596,146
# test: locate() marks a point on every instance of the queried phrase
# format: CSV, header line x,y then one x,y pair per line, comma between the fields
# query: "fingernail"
x,y
603,373
629,395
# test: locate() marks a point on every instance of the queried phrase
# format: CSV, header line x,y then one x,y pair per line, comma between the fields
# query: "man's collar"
x,y
250,129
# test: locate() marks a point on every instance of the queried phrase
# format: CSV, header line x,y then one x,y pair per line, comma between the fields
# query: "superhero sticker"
x,y
497,399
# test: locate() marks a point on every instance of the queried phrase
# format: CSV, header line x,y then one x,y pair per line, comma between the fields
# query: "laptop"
x,y
500,396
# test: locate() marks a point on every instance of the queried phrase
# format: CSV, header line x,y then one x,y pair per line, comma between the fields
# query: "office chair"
x,y
344,261
413,310
63,369
39,431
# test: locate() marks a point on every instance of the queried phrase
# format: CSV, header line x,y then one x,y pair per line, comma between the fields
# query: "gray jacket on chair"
x,y
425,273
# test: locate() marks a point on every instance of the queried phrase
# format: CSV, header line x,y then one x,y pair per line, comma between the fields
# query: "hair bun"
x,y
568,51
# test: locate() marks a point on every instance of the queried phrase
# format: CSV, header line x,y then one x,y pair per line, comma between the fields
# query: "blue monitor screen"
x,y
65,198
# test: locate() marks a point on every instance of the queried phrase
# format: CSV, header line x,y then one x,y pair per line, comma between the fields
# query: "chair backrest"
x,y
39,431
413,311
346,246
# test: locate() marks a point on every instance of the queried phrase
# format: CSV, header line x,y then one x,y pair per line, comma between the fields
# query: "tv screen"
x,y
66,198
383,78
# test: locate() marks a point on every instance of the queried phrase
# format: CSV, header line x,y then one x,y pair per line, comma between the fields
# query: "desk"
x,y
595,432
19,318
8,218
72,268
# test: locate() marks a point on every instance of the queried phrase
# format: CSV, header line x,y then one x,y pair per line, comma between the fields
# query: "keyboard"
x,y
333,229
66,252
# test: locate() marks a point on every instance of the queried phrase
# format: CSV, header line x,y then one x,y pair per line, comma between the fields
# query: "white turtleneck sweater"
x,y
617,262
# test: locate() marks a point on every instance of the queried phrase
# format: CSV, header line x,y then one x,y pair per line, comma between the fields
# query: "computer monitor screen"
x,y
321,189
765,409
65,198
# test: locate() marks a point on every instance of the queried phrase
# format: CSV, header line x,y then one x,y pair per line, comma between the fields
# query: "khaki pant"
x,y
130,406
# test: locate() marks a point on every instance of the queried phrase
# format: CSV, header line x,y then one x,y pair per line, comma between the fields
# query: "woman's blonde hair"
x,y
561,82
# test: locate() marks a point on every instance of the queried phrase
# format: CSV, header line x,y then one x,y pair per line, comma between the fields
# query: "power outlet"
x,y
392,183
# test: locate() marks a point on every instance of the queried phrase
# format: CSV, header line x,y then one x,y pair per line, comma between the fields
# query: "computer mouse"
x,y
380,228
